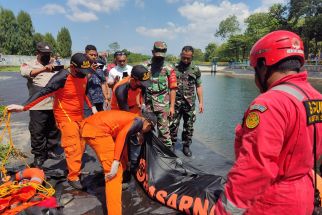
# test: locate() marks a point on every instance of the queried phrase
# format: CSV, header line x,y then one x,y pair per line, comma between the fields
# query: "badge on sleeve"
x,y
258,107
252,120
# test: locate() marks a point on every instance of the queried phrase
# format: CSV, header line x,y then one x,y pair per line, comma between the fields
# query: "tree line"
x,y
302,17
18,37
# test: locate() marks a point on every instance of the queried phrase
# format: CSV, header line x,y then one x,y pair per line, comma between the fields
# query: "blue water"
x,y
225,99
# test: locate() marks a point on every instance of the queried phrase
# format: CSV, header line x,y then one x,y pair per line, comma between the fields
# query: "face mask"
x,y
183,66
45,59
158,61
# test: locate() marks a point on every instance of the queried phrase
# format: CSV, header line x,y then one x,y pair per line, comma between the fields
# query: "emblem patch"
x,y
252,120
146,76
258,107
313,111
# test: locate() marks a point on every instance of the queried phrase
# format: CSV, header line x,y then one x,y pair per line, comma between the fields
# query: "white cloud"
x,y
84,10
139,3
171,31
82,16
96,5
185,1
51,9
203,21
172,1
266,4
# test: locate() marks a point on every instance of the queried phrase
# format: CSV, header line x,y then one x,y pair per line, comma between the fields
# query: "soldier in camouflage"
x,y
160,96
188,79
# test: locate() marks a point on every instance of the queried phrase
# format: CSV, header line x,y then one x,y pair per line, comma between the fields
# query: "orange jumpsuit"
x,y
125,98
69,95
108,133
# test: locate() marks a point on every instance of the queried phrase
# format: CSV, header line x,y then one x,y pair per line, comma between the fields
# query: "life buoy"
x,y
32,174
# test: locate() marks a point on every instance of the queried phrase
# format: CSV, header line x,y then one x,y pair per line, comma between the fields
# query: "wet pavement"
x,y
13,90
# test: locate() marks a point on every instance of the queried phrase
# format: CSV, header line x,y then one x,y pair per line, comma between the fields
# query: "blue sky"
x,y
136,24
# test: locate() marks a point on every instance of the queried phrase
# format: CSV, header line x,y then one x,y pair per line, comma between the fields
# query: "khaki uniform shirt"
x,y
34,84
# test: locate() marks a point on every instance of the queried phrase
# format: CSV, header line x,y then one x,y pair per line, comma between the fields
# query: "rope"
x,y
10,187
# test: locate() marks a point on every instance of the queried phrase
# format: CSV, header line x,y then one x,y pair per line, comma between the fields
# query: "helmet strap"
x,y
262,80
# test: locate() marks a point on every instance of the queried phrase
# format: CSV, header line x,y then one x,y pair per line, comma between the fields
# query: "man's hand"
x,y
201,108
117,79
94,66
113,171
49,68
94,110
171,112
107,102
15,108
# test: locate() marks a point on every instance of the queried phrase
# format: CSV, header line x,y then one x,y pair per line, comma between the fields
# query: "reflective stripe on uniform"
x,y
60,105
290,90
231,207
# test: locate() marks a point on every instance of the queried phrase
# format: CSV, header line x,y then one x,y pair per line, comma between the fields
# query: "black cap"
x,y
81,62
142,74
43,47
150,117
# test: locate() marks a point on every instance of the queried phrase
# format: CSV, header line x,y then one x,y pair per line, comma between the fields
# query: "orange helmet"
x,y
277,46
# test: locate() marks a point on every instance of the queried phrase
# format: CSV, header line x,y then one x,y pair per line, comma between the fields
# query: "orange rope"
x,y
10,187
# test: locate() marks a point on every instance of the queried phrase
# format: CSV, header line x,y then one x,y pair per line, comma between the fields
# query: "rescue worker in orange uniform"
x,y
274,145
127,91
127,96
108,133
68,89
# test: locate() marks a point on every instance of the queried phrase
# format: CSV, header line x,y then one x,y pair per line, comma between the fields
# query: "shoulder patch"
x,y
313,111
258,107
252,120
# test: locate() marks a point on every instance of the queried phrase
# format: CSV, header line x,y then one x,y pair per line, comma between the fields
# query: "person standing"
x,y
97,89
68,88
120,70
188,80
274,146
160,96
214,65
44,134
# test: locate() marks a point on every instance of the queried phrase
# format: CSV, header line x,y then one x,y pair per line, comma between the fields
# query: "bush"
x,y
1,110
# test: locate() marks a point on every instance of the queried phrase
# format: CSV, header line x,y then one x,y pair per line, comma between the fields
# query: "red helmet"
x,y
276,46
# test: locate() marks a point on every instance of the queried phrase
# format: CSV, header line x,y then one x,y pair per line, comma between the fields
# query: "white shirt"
x,y
118,71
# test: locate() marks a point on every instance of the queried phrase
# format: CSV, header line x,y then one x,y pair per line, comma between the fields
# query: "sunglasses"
x,y
121,61
119,53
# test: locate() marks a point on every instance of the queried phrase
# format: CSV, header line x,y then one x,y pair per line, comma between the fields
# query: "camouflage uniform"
x,y
158,98
188,79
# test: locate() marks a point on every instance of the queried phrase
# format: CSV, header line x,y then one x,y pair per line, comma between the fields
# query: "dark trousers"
x,y
44,133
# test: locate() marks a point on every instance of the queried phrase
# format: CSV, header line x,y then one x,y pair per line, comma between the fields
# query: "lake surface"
x,y
225,99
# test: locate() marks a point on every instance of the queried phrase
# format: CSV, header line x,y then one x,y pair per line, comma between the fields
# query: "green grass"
x,y
1,110
9,68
